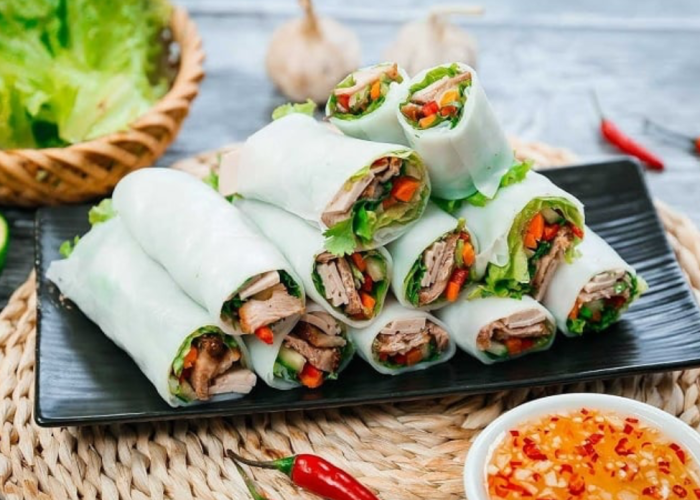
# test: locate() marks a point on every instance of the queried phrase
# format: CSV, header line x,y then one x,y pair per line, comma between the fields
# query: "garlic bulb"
x,y
307,57
432,41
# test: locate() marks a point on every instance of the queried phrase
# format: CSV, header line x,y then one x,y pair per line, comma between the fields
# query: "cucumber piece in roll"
x,y
352,288
403,340
591,293
524,234
307,352
363,194
140,308
211,249
448,120
433,261
364,104
494,329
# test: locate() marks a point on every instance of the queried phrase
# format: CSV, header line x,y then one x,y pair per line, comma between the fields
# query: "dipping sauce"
x,y
592,455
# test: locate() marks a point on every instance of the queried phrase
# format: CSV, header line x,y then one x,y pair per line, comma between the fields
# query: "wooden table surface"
x,y
538,62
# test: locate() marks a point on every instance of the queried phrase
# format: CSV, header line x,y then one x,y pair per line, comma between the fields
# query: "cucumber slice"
x,y
459,261
4,241
497,349
291,359
376,268
550,215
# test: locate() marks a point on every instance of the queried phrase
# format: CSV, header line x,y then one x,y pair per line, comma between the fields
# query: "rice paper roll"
x,y
351,288
305,353
495,329
211,249
524,234
142,310
433,261
448,120
591,293
403,340
363,194
364,104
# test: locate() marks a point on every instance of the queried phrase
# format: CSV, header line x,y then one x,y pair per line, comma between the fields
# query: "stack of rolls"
x,y
404,231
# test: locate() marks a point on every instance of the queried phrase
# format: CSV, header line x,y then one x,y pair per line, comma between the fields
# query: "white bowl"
x,y
480,452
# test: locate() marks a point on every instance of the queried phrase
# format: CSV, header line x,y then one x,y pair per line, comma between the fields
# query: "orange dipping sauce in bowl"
x,y
590,454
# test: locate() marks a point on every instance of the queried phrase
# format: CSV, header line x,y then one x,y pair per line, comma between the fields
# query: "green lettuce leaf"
x,y
290,284
512,280
305,108
102,212
67,247
75,70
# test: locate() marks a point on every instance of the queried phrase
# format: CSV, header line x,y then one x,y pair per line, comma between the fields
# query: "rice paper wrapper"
x,y
405,251
472,156
208,246
381,125
134,301
466,318
299,165
597,256
363,338
300,243
263,356
492,222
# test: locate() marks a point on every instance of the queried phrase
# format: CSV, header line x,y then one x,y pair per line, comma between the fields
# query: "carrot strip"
x,y
311,376
452,292
265,334
468,255
359,262
536,227
427,121
404,188
413,357
376,90
530,241
190,358
367,301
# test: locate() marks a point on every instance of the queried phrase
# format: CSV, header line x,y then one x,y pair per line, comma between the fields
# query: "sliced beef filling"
x,y
339,283
209,368
356,98
317,337
439,262
268,307
409,341
600,300
524,327
438,101
546,266
605,286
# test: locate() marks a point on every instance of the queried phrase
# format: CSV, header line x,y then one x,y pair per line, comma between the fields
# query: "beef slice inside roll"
x,y
409,341
516,334
209,363
442,271
439,98
315,350
363,91
263,301
602,300
355,284
391,191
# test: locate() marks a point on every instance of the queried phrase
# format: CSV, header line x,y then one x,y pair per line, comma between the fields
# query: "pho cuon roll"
x,y
433,262
306,353
496,329
448,120
352,288
403,340
591,293
363,194
524,234
211,249
140,308
364,104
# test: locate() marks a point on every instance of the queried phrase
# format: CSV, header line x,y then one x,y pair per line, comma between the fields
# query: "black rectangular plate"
x,y
83,378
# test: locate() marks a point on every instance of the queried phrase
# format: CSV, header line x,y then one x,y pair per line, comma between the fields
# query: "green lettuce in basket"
x,y
74,70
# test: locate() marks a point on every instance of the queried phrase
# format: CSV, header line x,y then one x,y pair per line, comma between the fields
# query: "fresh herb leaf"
x,y
340,239
102,212
304,108
413,279
212,180
290,284
318,282
67,247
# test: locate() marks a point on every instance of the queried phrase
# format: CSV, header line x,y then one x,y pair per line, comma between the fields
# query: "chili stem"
x,y
253,463
651,124
250,484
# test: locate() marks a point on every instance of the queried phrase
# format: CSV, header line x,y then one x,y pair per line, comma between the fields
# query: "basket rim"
x,y
190,72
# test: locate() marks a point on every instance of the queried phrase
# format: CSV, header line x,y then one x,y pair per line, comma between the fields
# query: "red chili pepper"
x,y
625,143
316,475
694,141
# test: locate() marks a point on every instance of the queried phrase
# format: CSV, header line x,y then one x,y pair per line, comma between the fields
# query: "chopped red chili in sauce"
x,y
590,455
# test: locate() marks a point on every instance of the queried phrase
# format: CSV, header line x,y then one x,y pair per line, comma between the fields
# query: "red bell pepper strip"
x,y
315,475
625,143
265,334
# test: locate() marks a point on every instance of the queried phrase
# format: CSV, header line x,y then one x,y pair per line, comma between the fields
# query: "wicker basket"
x,y
83,171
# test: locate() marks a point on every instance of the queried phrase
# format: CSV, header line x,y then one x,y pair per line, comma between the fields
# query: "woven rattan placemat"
x,y
408,451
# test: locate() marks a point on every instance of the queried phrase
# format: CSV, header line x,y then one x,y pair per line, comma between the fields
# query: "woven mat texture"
x,y
407,451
